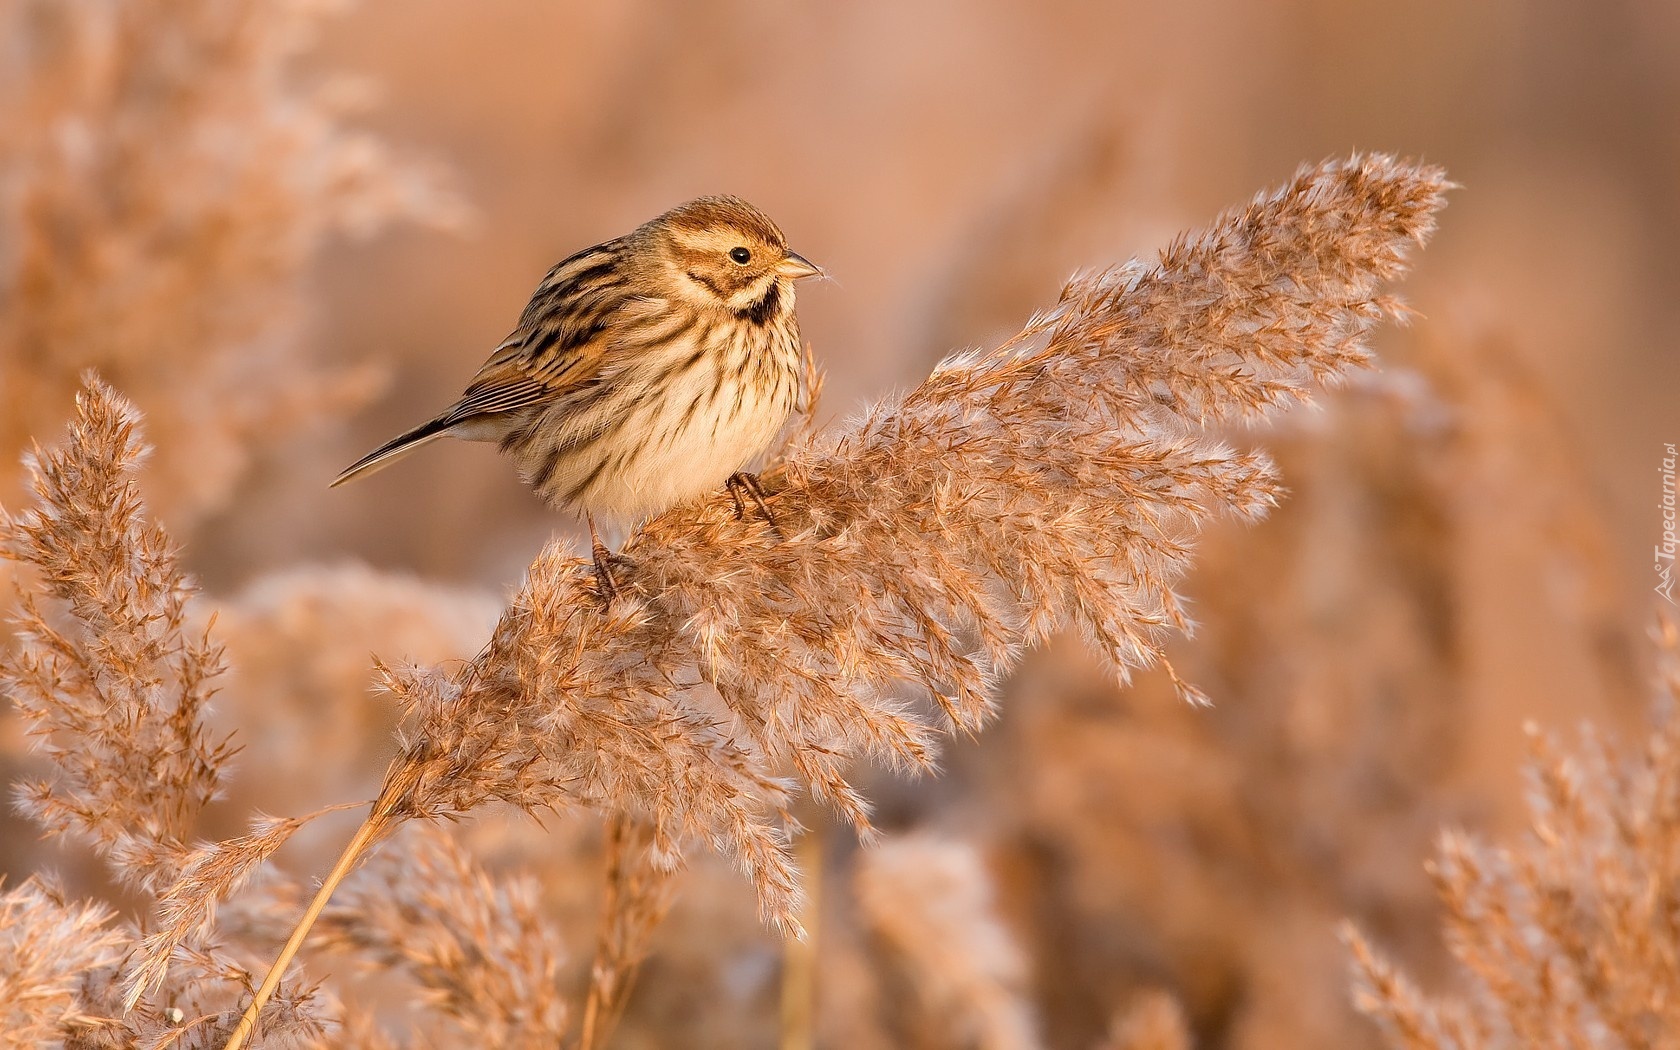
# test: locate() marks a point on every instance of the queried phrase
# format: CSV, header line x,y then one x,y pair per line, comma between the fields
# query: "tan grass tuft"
x,y
1573,934
115,683
48,946
480,950
115,695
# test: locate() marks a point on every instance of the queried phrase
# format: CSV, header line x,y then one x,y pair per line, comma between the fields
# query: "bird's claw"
x,y
742,482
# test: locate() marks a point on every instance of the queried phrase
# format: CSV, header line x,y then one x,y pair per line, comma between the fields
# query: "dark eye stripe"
x,y
708,282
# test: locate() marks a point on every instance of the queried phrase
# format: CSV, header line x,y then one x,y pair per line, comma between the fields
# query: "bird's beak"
x,y
797,266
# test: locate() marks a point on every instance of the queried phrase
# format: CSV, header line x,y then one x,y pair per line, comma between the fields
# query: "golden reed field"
x,y
1220,598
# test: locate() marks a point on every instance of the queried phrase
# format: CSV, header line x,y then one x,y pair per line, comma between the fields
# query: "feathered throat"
x,y
766,309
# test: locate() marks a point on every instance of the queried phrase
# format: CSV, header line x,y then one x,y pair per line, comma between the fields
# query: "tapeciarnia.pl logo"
x,y
1665,550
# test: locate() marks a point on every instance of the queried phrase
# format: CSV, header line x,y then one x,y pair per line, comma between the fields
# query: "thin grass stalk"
x,y
799,954
602,978
366,834
632,906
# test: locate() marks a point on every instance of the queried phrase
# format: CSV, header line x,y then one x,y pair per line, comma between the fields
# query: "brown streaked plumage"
x,y
645,371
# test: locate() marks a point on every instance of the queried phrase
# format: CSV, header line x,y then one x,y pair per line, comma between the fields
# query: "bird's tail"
x,y
401,445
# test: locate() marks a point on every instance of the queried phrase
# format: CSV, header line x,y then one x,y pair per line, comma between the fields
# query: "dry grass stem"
x,y
799,954
637,896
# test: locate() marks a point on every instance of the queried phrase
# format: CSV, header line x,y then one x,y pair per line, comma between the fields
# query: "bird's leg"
x,y
740,482
603,563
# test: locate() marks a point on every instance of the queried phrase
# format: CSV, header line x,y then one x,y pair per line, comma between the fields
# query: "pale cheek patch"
x,y
752,294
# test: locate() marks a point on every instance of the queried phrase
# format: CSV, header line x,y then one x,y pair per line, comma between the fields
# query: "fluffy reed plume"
x,y
116,697
482,952
113,678
1572,937
168,174
1055,482
930,903
113,685
47,945
1367,648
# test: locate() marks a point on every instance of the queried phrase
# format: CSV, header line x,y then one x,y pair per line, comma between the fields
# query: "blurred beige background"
x,y
1467,547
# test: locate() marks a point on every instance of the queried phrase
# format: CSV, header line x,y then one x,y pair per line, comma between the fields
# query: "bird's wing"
x,y
563,335
513,379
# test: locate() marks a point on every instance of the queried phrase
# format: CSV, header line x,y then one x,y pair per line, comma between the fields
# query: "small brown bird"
x,y
644,372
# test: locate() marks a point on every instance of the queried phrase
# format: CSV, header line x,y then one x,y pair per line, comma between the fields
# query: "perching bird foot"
x,y
605,584
742,482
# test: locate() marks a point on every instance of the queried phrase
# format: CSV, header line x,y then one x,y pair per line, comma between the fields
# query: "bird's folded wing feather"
x,y
560,343
513,379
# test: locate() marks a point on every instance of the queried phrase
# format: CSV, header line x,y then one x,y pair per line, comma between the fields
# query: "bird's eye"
x,y
740,255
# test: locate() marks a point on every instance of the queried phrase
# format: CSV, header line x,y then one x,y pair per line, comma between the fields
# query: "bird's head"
x,y
723,253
